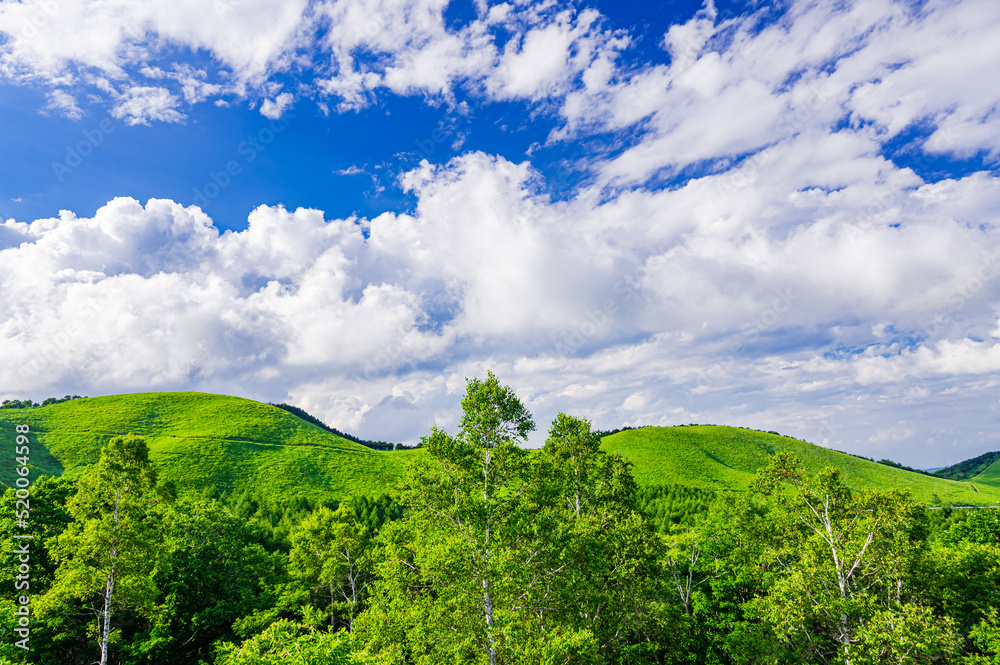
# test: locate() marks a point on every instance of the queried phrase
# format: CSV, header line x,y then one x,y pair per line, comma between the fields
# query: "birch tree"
x,y
841,565
480,496
108,555
330,552
469,575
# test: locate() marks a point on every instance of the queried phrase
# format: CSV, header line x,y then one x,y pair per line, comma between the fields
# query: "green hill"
x,y
990,477
726,458
198,440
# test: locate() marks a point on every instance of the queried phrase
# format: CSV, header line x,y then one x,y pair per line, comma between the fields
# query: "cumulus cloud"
x,y
53,40
660,307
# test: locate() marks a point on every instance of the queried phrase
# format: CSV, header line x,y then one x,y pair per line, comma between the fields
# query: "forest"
x,y
491,553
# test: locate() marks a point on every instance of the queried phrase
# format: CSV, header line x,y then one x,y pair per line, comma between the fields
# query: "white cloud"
x,y
52,39
402,46
711,302
686,41
64,104
273,109
817,67
541,62
140,105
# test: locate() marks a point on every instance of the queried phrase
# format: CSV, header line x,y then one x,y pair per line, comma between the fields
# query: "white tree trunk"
x,y
488,607
109,587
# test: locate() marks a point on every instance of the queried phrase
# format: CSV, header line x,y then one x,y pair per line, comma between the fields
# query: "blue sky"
x,y
775,216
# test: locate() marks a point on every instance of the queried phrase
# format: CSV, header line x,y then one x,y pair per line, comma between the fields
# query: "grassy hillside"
x,y
990,477
197,440
726,458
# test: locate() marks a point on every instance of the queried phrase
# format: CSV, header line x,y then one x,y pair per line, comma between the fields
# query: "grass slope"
x,y
198,440
990,477
726,458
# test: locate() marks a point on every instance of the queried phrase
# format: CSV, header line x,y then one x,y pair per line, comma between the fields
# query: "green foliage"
x,y
726,550
980,526
201,441
470,525
218,572
109,554
841,566
27,403
961,580
508,557
330,554
908,633
989,476
48,518
288,643
603,551
668,505
986,637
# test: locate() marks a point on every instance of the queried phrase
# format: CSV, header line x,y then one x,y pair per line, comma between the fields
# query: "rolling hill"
x,y
990,477
726,458
197,440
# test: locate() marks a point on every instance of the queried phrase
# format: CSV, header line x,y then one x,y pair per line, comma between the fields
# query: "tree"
x,y
981,526
218,581
510,557
461,573
986,636
49,517
107,557
288,643
330,552
589,480
602,554
840,565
